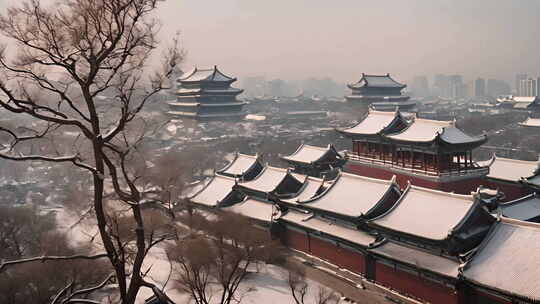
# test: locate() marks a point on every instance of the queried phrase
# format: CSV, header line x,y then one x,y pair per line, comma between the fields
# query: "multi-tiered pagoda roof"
x,y
206,93
381,91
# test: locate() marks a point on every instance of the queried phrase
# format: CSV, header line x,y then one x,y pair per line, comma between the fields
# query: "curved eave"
x,y
329,149
256,160
392,184
506,293
440,241
191,82
206,105
419,266
474,143
210,92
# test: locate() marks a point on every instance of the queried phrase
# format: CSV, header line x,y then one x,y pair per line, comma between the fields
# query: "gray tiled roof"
x,y
240,164
509,259
510,169
523,209
426,213
373,123
351,195
268,179
254,209
214,192
329,227
384,81
418,258
212,74
308,154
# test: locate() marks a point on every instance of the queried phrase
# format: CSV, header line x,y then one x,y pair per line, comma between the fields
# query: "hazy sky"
x,y
295,39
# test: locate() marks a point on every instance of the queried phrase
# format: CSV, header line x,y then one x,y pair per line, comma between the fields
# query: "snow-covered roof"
x,y
308,154
328,227
510,169
426,213
418,258
214,192
378,81
208,90
373,123
351,195
255,209
268,179
524,99
212,74
241,164
308,191
531,122
426,130
508,259
523,209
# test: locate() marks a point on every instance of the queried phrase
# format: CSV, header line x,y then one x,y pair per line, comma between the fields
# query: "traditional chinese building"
x,y
243,167
380,91
525,208
313,160
217,192
505,268
272,181
428,153
206,94
514,178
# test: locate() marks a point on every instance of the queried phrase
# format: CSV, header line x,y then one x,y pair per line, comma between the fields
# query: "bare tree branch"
x,y
4,265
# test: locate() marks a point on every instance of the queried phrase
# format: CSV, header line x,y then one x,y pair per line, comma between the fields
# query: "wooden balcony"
x,y
420,167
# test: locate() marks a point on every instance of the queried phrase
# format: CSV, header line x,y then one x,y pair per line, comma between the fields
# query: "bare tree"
x,y
211,266
26,233
296,280
81,67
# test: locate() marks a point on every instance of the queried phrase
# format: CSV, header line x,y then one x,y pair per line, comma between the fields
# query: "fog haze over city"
x,y
301,38
313,38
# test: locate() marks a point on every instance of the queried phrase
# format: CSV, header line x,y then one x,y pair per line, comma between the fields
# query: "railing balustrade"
x,y
419,169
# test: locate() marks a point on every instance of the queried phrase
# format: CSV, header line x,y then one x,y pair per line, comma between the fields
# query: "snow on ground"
x,y
255,117
267,286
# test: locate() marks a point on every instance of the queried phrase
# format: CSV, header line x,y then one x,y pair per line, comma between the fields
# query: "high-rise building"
x,y
479,87
497,87
440,85
529,87
518,88
457,88
420,86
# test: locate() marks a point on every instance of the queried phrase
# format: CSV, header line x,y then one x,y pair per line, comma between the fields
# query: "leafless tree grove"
x,y
216,256
62,59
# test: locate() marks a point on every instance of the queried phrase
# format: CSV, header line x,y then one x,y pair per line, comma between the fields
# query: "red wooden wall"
x,y
410,284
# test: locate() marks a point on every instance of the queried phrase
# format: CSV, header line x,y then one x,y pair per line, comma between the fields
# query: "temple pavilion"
x,y
206,94
380,91
429,153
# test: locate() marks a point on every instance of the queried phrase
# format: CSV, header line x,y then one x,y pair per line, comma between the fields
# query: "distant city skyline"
x,y
314,38
299,39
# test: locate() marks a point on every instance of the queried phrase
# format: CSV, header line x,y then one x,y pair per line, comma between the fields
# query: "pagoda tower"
x,y
380,91
206,94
